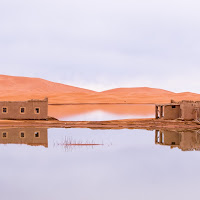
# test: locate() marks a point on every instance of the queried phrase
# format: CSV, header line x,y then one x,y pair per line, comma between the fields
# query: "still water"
x,y
98,112
128,164
100,115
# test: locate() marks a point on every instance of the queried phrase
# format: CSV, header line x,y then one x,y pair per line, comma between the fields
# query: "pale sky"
x,y
103,44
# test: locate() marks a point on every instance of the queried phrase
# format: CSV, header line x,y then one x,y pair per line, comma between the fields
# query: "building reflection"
x,y
184,140
30,135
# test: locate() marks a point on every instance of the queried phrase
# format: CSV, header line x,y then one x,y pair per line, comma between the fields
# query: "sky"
x,y
103,44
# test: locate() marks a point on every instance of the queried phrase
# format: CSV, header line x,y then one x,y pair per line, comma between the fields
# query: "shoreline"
x,y
146,124
68,104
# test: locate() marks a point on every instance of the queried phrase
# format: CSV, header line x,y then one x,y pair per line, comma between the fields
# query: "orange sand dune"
x,y
12,86
139,90
23,88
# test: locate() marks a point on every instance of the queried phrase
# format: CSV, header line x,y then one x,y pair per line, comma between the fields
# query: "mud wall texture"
x,y
188,110
33,109
171,111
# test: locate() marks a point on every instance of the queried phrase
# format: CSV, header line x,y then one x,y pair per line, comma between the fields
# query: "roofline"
x,y
168,104
30,100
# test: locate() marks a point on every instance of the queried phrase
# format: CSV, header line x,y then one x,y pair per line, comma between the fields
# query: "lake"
x,y
101,112
121,164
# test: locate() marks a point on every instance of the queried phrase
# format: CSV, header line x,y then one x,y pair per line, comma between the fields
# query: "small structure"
x,y
185,110
31,109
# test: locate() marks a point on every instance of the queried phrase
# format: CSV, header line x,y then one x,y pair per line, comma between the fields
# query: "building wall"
x,y
188,110
171,111
13,109
198,106
13,136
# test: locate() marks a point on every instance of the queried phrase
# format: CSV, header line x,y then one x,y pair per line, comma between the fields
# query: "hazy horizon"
x,y
101,45
89,88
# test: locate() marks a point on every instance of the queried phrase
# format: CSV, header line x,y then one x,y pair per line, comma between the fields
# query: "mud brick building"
x,y
19,110
185,110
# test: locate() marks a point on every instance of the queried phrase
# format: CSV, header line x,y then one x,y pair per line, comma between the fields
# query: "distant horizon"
x,y
81,87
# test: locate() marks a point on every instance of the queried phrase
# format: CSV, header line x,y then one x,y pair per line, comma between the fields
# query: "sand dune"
x,y
23,88
139,90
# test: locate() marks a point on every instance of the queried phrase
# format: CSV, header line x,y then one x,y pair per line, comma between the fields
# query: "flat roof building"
x,y
185,110
32,109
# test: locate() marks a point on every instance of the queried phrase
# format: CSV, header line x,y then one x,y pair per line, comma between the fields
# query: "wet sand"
x,y
147,124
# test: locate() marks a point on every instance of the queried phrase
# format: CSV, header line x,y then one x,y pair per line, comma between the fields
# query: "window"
x,y
4,134
4,110
173,106
22,134
37,110
173,143
22,110
37,134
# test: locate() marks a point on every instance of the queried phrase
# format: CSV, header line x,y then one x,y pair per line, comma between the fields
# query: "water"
x,y
100,115
98,112
131,164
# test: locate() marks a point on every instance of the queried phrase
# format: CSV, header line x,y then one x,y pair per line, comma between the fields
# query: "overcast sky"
x,y
103,44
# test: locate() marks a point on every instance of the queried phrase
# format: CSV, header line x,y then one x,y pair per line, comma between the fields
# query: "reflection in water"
x,y
101,112
29,135
185,140
132,168
34,136
100,115
70,144
73,142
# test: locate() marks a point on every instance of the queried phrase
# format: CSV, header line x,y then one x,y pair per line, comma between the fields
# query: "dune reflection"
x,y
28,135
185,140
79,112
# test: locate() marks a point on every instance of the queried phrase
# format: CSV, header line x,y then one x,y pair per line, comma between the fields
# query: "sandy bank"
x,y
148,124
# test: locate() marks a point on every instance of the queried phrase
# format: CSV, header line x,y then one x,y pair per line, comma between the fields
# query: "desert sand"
x,y
148,124
24,88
